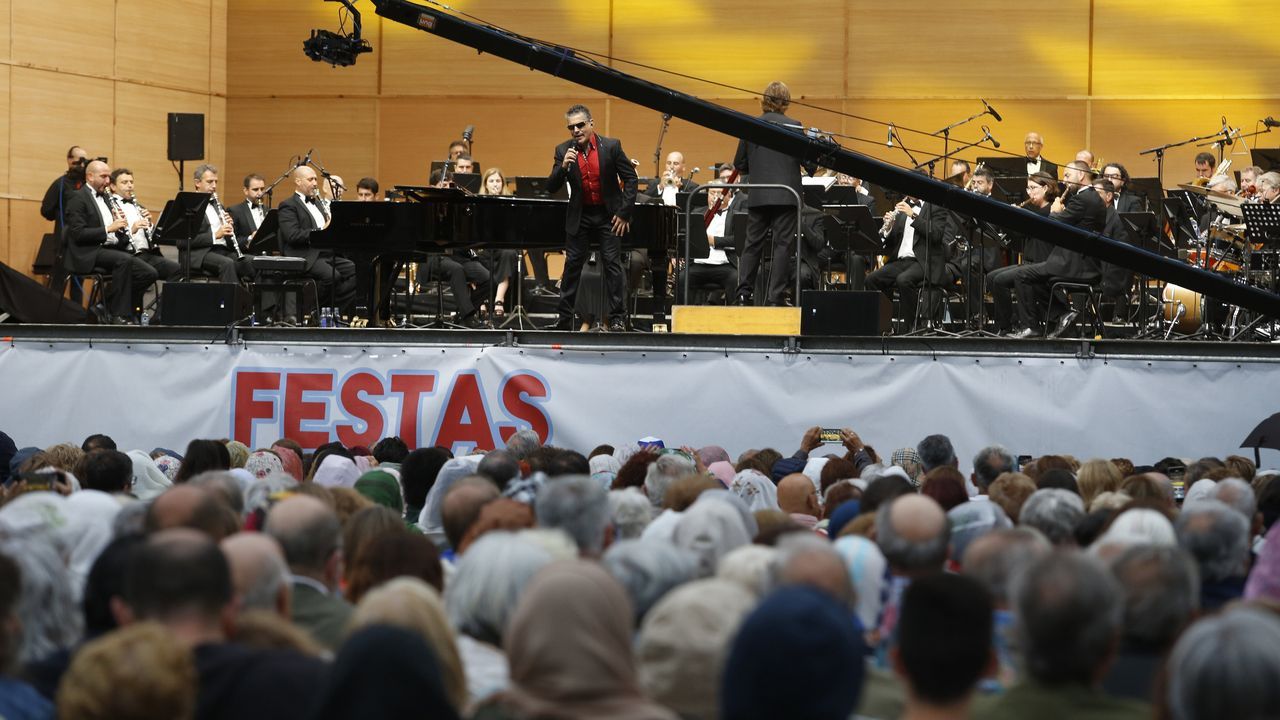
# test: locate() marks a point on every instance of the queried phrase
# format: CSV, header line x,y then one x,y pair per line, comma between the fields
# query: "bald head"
x,y
913,534
310,535
805,562
97,175
304,179
462,505
259,573
179,577
797,495
191,506
917,517
996,558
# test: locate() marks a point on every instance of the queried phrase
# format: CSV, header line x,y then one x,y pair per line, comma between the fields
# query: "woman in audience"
x,y
138,672
392,554
363,528
1096,477
385,672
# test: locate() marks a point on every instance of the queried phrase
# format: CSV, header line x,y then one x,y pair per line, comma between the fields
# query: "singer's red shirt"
x,y
589,166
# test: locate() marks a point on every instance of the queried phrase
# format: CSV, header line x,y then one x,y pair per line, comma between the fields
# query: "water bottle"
x,y
145,320
324,317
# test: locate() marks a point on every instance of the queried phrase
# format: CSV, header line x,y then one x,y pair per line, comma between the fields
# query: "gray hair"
x,y
1161,594
48,608
1216,536
483,591
662,472
523,443
225,485
259,495
630,511
990,463
1238,495
1068,610
500,466
577,505
649,569
997,569
910,555
1226,666
1054,512
201,169
936,451
751,566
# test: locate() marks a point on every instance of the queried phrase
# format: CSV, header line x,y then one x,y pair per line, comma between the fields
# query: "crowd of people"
x,y
633,581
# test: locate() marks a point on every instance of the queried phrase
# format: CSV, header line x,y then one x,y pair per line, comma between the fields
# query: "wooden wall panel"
x,y
265,58
6,35
921,48
218,50
5,242
4,128
50,112
71,35
141,141
26,227
1186,48
726,41
263,134
637,127
167,46
216,131
418,63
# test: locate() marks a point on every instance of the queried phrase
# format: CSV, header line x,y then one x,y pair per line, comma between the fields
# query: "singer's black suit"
x,y
1085,210
588,224
85,233
335,275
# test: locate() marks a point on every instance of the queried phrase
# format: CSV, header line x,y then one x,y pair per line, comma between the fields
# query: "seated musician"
x,y
673,179
299,214
974,264
468,276
914,236
463,163
1081,207
1269,188
367,190
1249,181
1042,190
719,269
1122,200
214,249
247,216
1086,156
1116,280
501,263
140,224
1205,163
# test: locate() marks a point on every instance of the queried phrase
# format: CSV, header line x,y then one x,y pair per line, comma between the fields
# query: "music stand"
x,y
266,240
1266,158
1181,217
535,186
1008,167
467,181
1262,226
182,218
1011,190
1145,228
437,167
1148,188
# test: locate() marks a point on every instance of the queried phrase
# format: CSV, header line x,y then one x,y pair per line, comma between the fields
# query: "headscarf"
x,y
19,457
909,460
1264,579
813,471
451,472
1200,490
604,463
866,566
756,490
263,463
845,513
385,672
972,520
168,465
1140,526
684,641
291,462
723,472
713,454
500,514
748,517
336,471
148,479
710,527
364,463
624,452
821,677
90,515
380,487
239,453
32,513
569,642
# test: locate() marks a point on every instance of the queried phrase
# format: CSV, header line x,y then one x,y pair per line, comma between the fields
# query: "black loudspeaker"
x,y
186,136
840,312
203,304
26,301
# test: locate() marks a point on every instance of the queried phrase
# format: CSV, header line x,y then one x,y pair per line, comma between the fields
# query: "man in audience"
x,y
804,559
995,560
936,451
462,505
259,574
110,471
798,497
181,580
989,464
943,645
193,507
913,534
500,466
1069,610
579,506
1054,512
1218,538
309,533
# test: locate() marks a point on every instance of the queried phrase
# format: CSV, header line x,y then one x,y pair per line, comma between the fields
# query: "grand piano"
x,y
438,220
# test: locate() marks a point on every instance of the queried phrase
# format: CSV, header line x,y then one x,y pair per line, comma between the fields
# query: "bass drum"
x,y
1184,308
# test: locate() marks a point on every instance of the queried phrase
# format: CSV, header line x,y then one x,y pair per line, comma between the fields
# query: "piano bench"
x,y
283,287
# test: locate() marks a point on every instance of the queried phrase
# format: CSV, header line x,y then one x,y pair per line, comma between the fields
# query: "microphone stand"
x,y
946,137
285,174
1159,153
657,151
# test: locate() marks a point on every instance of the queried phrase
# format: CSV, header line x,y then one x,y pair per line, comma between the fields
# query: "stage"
x,y
162,386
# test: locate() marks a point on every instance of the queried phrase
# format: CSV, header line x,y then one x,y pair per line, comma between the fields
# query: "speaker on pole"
x,y
186,136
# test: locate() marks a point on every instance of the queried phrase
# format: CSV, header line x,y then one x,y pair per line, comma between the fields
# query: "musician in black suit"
x,y
91,229
298,215
769,209
1122,200
602,196
1085,209
247,216
720,268
140,222
917,250
1033,144
214,246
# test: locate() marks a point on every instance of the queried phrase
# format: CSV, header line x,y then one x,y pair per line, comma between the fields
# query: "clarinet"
x,y
123,238
231,239
147,231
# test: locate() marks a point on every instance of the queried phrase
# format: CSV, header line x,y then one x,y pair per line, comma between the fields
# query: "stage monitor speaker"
x,y
186,136
217,304
26,301
840,312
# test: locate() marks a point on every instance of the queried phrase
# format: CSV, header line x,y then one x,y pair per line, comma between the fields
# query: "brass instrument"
x,y
226,219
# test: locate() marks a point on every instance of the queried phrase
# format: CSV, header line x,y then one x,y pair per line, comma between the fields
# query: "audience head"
x,y
663,471
936,451
711,528
180,578
462,505
1095,477
577,505
191,506
500,466
488,581
943,639
798,496
202,456
807,559
110,471
97,441
1226,666
141,672
913,533
310,535
996,559
989,464
972,520
945,485
418,473
390,449
648,569
391,555
1217,537
1055,513
259,573
1068,611
630,513
1161,589
523,443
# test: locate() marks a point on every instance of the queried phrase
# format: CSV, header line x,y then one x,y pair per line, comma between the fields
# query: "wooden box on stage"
x,y
733,320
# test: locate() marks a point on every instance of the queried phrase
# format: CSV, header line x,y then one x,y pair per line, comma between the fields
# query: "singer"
x,y
602,194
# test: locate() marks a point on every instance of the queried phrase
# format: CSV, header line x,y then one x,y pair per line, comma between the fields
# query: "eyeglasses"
x,y
579,126
1112,176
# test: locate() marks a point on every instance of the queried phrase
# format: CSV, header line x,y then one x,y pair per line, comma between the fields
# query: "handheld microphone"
x,y
1271,122
889,142
466,134
994,142
991,111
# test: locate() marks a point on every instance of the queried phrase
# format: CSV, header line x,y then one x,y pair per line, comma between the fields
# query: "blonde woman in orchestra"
x,y
501,262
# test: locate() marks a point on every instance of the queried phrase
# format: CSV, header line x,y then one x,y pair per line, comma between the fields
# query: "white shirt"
x,y
215,223
103,210
907,248
1033,166
716,229
313,208
132,215
258,214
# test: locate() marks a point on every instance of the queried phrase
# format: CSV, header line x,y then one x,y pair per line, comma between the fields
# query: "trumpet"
x,y
226,219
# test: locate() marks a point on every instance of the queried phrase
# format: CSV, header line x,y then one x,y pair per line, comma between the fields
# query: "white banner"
x,y
156,395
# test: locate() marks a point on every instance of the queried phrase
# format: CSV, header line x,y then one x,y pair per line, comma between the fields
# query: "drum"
x,y
1223,260
1184,308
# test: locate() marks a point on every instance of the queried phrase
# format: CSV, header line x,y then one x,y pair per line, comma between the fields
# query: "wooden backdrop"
x,y
102,74
1116,76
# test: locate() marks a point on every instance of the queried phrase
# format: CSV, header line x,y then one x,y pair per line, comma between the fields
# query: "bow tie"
x,y
106,196
312,199
255,206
